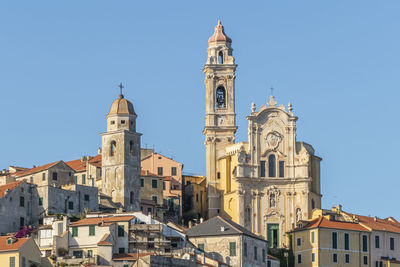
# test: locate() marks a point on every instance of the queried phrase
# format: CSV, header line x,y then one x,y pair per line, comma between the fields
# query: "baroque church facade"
x,y
268,183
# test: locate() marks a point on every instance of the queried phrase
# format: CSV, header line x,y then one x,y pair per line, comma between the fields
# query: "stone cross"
x,y
120,88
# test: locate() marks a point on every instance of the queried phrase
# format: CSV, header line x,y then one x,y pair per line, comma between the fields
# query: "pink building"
x,y
171,170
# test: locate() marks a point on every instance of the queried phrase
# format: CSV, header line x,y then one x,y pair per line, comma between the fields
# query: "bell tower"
x,y
121,155
220,122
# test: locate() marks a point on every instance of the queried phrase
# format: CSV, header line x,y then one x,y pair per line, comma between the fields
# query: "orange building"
x,y
171,170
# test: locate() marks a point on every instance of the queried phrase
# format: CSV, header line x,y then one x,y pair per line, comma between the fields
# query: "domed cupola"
x,y
219,35
121,106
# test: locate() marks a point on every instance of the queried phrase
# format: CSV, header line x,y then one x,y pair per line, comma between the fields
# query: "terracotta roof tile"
x,y
14,246
103,241
9,186
388,224
35,170
96,160
77,165
98,220
323,222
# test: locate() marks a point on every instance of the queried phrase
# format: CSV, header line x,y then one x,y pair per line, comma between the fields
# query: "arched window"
x,y
113,146
271,166
272,200
130,147
220,97
312,204
131,198
220,57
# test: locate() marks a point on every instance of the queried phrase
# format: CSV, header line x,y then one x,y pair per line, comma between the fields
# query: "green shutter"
x,y
40,201
121,231
74,231
91,230
232,248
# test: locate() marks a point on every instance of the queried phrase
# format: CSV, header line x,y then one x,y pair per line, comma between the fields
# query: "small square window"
x,y
86,197
160,170
334,258
141,182
44,176
54,176
122,121
299,241
154,183
112,122
173,170
70,205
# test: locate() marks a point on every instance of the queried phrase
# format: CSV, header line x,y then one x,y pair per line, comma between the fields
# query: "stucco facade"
x,y
271,181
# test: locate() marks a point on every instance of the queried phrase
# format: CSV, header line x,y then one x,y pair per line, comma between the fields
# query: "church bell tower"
x,y
220,122
121,155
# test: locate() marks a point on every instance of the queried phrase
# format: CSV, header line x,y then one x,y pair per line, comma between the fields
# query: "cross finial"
x,y
120,88
272,91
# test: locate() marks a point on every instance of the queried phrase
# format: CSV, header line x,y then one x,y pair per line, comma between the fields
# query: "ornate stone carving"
x,y
273,140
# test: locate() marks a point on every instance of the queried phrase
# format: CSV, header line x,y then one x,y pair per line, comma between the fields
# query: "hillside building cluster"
x,y
130,206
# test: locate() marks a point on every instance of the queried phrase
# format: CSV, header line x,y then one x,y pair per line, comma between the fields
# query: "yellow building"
x,y
323,241
19,252
271,181
195,196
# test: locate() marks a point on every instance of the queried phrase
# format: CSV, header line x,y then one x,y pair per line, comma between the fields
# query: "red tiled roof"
x,y
129,256
98,220
96,160
9,186
323,222
14,246
102,242
77,165
35,170
167,178
388,224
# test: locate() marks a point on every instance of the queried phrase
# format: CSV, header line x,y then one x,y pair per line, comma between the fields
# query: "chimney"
x,y
375,219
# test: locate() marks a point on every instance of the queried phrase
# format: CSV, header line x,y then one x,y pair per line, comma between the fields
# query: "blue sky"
x,y
336,61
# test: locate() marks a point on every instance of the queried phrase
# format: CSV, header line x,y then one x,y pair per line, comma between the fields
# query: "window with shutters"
x,y
154,183
70,205
74,231
12,261
232,248
40,201
377,243
334,240
364,243
173,170
391,243
83,178
160,170
346,241
91,230
334,257
121,230
21,201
